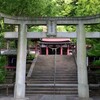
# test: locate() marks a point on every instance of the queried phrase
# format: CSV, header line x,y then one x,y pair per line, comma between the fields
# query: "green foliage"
x,y
96,63
38,8
2,61
2,75
2,43
35,29
70,28
65,7
95,50
87,7
30,56
27,7
1,28
97,71
51,8
61,29
2,69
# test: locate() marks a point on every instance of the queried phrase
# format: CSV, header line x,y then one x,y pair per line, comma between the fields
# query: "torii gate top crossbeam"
x,y
43,20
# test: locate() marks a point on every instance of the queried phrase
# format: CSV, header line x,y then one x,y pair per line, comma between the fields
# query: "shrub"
x,y
96,63
2,75
2,69
31,56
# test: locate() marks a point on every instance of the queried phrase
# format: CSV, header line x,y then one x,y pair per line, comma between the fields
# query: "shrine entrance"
x,y
62,44
51,23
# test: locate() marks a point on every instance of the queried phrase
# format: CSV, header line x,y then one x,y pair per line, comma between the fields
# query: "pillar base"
x,y
83,91
19,91
21,98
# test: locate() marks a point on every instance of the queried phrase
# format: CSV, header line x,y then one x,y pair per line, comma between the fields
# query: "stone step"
x,y
52,69
47,72
52,73
51,82
52,79
71,93
52,76
60,88
52,85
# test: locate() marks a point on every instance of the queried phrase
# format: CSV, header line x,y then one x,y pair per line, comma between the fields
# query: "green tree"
x,y
64,7
26,7
87,7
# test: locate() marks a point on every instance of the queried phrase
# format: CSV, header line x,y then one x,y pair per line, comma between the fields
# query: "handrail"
x,y
32,65
75,60
55,69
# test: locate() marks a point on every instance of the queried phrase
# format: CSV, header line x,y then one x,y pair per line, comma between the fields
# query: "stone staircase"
x,y
53,77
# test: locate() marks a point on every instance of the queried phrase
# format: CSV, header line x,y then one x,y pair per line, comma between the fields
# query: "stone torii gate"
x,y
51,23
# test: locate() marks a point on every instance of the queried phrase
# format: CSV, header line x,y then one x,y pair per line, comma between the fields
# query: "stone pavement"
x,y
47,97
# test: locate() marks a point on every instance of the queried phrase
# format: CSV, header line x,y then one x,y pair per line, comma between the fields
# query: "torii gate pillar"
x,y
83,88
19,93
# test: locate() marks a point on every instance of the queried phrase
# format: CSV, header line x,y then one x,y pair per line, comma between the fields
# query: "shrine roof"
x,y
56,40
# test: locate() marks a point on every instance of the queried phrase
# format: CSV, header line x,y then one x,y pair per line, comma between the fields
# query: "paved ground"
x,y
48,97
